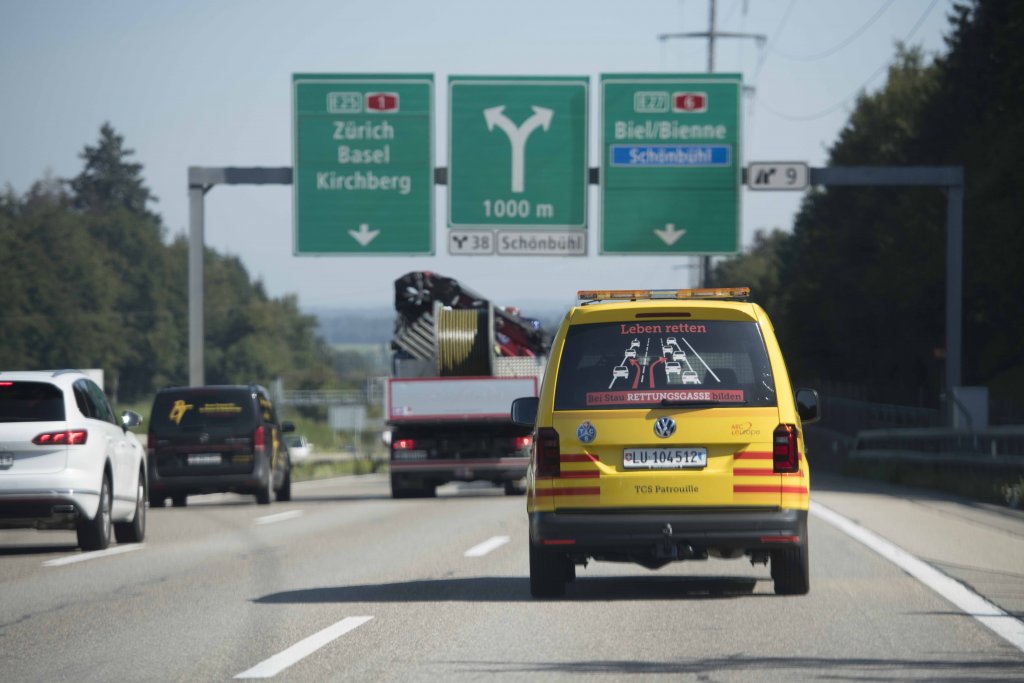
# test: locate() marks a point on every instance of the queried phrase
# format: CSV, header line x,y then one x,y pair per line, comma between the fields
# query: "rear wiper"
x,y
665,403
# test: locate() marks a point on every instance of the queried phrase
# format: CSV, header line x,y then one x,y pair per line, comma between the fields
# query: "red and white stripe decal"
x,y
739,488
579,491
578,457
751,472
753,455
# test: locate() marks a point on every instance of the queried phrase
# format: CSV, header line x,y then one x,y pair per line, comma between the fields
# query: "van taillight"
x,y
549,455
259,439
150,440
404,445
785,458
522,442
68,437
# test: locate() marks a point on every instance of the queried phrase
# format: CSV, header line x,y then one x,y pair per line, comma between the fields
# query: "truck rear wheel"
x,y
401,487
548,573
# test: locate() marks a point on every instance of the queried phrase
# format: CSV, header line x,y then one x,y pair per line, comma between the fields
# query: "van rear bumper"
x,y
239,482
610,534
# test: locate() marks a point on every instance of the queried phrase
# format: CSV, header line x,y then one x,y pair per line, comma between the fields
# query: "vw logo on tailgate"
x,y
665,427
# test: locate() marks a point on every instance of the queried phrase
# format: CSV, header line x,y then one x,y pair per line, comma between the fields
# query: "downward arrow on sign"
x,y
669,234
364,235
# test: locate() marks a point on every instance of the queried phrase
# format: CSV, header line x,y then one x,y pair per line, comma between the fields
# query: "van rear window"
x,y
641,364
31,402
206,410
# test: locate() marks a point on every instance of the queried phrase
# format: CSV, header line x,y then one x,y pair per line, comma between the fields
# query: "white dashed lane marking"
x,y
481,549
95,555
269,668
279,517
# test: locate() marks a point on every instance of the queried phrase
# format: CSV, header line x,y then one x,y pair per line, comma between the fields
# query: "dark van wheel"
x,y
94,534
790,570
135,530
266,491
548,573
284,494
179,500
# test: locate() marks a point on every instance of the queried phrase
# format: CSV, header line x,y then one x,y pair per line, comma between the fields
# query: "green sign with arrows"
x,y
363,178
670,163
517,152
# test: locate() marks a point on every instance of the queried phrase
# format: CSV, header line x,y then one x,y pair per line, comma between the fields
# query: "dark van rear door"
x,y
207,430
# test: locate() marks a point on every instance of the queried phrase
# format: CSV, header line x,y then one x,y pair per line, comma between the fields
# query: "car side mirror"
x,y
807,405
130,419
287,427
524,411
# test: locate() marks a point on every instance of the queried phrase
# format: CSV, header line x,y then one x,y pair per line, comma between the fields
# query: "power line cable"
x,y
836,48
858,89
763,54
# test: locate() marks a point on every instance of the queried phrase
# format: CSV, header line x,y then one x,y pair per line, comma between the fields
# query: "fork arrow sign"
x,y
495,116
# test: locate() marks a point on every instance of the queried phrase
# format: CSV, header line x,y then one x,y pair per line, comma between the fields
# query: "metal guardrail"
x,y
322,398
850,416
992,447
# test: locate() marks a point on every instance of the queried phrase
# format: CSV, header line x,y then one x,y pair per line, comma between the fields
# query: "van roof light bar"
x,y
591,295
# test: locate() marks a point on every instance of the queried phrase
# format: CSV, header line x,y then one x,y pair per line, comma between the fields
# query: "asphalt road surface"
x,y
343,583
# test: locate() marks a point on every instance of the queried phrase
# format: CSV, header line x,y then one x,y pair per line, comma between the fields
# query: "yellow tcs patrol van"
x,y
667,429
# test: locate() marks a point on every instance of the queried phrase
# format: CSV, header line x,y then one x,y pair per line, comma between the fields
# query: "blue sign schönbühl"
x,y
671,155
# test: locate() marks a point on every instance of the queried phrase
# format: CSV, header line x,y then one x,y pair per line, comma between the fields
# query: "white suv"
x,y
66,462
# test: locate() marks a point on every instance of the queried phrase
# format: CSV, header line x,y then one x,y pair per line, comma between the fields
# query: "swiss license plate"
x,y
664,458
204,459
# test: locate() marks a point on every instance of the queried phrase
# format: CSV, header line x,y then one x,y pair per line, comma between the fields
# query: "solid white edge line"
x,y
1004,625
302,649
96,554
481,549
280,517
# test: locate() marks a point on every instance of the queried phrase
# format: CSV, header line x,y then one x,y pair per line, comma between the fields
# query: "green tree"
x,y
53,315
976,119
109,180
89,282
112,198
861,286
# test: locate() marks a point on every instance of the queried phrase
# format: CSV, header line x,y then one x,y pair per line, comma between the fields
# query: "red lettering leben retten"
x,y
639,329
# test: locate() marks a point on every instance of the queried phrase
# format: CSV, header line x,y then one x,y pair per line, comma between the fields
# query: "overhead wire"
x,y
763,54
836,48
859,88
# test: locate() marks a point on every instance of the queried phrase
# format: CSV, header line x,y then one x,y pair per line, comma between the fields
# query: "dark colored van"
x,y
217,439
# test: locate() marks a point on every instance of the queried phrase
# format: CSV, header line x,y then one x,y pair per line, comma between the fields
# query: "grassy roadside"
x,y
325,469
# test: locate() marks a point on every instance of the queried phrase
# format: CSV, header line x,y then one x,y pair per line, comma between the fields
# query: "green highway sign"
x,y
517,152
670,163
363,178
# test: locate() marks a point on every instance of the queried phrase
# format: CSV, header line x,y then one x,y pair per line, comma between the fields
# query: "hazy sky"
x,y
206,83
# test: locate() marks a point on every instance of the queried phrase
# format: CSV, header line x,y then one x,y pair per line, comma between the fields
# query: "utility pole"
x,y
711,34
